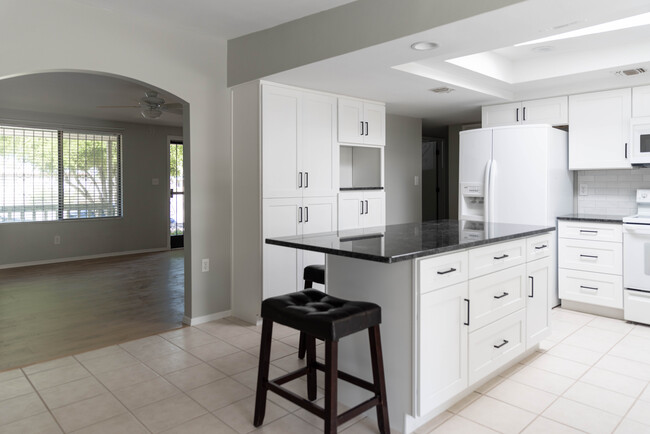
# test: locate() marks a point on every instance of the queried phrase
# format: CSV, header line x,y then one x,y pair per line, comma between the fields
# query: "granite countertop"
x,y
396,243
360,188
600,218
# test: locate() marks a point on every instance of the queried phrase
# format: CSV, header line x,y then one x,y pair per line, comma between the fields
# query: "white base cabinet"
x,y
477,313
590,263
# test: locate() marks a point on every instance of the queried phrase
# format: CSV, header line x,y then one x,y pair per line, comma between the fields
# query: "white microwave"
x,y
640,152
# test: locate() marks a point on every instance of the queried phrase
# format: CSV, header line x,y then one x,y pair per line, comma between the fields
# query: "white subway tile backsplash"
x,y
611,192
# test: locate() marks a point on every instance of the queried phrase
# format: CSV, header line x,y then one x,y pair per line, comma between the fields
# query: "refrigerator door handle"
x,y
486,193
491,190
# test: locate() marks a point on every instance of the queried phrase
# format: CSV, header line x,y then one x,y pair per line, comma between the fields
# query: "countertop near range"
x,y
395,243
596,218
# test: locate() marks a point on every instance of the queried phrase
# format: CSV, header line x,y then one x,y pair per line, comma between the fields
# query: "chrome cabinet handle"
x,y
300,208
300,175
362,128
593,288
586,231
361,202
306,214
467,323
501,257
532,286
543,246
367,128
502,344
306,179
589,256
451,270
366,207
505,294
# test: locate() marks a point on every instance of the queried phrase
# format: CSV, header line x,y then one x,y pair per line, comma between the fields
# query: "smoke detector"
x,y
442,90
634,71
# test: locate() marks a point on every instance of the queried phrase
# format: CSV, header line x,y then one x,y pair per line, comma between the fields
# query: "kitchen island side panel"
x,y
391,287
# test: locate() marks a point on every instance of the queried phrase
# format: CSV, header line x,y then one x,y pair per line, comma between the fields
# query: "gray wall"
x,y
453,140
145,222
341,30
403,161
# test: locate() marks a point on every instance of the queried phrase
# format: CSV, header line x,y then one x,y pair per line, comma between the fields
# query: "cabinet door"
x,y
500,115
350,118
442,349
552,111
374,116
351,209
600,130
280,140
496,295
374,209
281,269
641,101
320,158
538,319
319,216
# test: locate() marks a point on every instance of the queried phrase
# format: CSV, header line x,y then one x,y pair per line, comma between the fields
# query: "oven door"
x,y
640,141
636,266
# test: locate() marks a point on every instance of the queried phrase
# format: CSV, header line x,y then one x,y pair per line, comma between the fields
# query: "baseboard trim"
x,y
206,318
81,258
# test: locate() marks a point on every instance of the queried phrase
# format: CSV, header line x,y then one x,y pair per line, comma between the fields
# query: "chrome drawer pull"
x,y
543,246
451,270
502,344
505,294
501,257
589,287
589,256
585,231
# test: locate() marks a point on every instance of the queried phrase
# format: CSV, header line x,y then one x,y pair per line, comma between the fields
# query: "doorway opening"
x,y
176,194
435,179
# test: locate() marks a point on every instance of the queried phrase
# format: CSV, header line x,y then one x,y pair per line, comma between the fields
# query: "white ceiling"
x,y
389,72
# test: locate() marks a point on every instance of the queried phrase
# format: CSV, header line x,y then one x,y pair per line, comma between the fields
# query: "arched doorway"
x,y
88,304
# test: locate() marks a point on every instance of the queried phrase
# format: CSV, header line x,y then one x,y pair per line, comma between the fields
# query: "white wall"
x,y
144,225
402,162
611,192
65,35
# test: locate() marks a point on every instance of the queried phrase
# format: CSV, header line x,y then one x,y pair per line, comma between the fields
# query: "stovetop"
x,y
643,213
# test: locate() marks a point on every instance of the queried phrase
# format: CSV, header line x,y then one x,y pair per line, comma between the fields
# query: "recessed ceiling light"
x,y
442,90
542,49
625,23
424,46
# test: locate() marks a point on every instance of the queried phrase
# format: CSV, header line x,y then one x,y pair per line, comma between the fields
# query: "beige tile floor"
x,y
591,375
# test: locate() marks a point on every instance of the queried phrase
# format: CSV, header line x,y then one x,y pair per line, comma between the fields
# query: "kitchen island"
x,y
461,301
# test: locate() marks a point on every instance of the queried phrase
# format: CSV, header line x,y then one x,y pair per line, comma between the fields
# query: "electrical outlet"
x,y
57,239
416,180
205,265
584,190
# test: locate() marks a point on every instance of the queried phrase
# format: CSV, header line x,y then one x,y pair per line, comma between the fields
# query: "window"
x,y
55,174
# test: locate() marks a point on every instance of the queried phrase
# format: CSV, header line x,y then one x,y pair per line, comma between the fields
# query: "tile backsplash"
x,y
610,192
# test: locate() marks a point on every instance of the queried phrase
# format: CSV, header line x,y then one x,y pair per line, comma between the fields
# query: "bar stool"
x,y
311,274
321,316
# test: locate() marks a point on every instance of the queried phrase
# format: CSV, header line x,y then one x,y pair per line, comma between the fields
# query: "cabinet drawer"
x,y
540,246
590,231
496,295
496,257
441,271
597,256
496,344
594,288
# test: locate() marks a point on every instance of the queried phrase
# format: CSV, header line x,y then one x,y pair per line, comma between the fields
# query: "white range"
x,y
636,261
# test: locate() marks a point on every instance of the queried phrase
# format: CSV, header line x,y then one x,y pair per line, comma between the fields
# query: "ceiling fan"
x,y
152,106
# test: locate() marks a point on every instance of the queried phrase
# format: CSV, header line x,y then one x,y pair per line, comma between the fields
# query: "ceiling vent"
x,y
628,72
442,90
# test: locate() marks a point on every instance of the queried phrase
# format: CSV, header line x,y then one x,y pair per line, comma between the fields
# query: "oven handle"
x,y
636,229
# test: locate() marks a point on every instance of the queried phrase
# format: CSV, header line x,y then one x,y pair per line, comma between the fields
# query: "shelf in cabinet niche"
x,y
361,168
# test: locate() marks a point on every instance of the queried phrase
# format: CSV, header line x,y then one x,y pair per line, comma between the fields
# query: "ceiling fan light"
x,y
151,113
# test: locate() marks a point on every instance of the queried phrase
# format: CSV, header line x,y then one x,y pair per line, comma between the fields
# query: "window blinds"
x,y
53,174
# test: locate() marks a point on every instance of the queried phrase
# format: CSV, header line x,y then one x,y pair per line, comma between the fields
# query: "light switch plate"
x,y
155,181
584,190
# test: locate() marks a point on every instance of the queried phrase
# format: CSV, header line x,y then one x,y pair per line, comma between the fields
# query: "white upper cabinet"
x,y
361,122
599,132
552,111
300,155
641,101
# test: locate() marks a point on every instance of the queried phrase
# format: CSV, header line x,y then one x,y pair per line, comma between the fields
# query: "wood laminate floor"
x,y
49,311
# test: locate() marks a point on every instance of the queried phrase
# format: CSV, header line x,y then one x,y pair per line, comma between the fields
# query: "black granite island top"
x,y
402,242
600,218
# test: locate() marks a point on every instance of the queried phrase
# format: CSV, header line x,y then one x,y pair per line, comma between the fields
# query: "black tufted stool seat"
x,y
318,315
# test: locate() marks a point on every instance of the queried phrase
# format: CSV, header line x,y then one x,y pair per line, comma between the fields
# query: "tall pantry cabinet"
x,y
285,182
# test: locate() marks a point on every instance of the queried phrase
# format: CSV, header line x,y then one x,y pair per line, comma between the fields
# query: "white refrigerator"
x,y
516,174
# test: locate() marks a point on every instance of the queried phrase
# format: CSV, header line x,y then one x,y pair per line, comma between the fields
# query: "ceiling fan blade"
x,y
118,106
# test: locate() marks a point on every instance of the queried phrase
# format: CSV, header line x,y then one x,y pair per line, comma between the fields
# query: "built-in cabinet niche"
x,y
361,167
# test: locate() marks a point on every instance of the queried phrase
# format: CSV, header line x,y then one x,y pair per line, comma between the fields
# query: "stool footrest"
x,y
296,399
350,378
290,376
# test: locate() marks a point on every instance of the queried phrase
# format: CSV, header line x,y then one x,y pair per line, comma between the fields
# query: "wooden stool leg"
x,y
263,372
311,367
302,348
331,392
378,379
